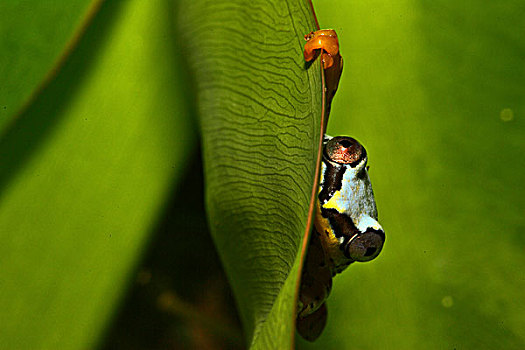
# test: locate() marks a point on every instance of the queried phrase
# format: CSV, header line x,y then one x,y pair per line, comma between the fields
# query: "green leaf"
x,y
260,112
33,36
435,92
85,170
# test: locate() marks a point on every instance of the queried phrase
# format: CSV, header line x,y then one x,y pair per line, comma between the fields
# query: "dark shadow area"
x,y
180,298
34,124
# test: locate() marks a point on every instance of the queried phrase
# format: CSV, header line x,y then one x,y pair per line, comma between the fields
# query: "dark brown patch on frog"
x,y
332,181
342,226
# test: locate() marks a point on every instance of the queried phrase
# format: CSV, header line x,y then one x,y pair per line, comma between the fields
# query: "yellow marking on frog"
x,y
329,241
337,202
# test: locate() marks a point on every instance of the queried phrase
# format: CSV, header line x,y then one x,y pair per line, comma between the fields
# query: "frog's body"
x,y
346,215
346,227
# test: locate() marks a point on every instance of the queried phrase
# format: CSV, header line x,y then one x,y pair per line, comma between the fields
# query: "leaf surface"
x,y
260,111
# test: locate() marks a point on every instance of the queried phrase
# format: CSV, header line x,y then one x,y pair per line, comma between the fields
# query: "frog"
x,y
346,227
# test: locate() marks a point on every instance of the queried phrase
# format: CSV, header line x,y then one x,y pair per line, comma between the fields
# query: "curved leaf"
x,y
33,36
435,91
85,170
260,112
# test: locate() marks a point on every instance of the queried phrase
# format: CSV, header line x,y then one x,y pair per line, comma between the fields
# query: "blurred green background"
x,y
435,90
102,246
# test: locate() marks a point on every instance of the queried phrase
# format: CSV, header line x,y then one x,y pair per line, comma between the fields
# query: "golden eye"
x,y
345,150
365,246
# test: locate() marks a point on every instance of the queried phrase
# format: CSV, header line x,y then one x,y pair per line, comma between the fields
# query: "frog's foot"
x,y
324,40
311,326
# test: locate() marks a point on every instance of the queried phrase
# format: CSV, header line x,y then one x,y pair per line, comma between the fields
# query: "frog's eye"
x,y
365,246
345,150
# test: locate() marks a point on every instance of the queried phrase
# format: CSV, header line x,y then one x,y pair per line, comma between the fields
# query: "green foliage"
x,y
88,160
85,170
33,35
435,92
260,115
